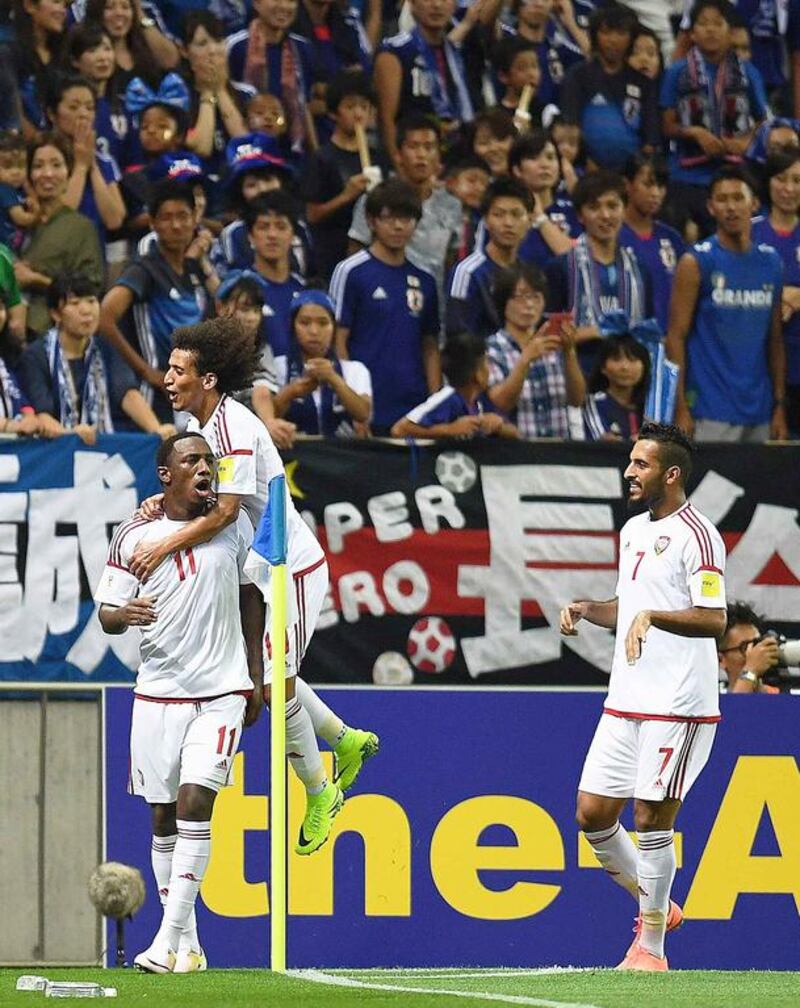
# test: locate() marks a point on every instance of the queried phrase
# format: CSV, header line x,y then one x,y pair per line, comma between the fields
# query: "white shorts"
x,y
652,760
310,588
178,743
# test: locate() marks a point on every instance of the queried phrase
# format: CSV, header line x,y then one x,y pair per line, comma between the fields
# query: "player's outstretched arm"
x,y
695,622
140,611
603,614
148,555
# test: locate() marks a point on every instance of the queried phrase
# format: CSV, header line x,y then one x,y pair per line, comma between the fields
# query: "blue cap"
x,y
255,152
178,166
311,296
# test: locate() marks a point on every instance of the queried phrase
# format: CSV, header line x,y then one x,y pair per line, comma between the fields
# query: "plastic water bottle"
x,y
66,989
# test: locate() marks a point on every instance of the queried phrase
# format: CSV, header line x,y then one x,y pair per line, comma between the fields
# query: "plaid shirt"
x,y
542,405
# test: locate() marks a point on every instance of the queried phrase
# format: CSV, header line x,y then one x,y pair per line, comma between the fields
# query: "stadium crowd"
x,y
519,217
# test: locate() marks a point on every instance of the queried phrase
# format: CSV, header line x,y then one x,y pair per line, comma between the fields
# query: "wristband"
x,y
537,222
147,22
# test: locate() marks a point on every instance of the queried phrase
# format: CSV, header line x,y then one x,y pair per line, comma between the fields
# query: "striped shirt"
x,y
541,410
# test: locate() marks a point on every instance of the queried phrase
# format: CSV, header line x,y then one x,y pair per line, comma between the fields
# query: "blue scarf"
x,y
721,105
11,398
443,105
585,288
93,405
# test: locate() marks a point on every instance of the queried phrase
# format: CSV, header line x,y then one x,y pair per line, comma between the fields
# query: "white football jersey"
x,y
195,648
247,461
675,563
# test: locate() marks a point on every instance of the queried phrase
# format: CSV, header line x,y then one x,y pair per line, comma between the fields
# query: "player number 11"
x,y
190,567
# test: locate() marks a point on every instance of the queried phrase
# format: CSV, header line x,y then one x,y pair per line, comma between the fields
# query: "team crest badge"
x,y
661,544
415,299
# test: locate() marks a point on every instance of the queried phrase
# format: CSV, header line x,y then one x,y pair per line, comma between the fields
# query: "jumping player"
x,y
662,708
208,361
195,688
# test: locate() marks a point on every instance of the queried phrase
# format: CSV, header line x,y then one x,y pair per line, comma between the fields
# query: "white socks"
x,y
189,862
616,852
161,852
301,746
327,725
656,871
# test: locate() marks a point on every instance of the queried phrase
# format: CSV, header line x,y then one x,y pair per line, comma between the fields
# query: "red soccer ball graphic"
x,y
431,645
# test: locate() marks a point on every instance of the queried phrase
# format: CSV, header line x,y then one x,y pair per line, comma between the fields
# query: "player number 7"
x,y
668,751
639,558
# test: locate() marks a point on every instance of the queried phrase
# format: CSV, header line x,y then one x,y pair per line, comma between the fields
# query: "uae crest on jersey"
x,y
661,544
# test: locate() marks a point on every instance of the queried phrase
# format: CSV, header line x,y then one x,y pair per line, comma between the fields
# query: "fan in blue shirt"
x,y
657,246
781,229
387,310
461,409
725,326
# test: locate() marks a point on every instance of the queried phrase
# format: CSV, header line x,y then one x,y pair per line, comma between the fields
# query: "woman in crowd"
x,y
780,228
534,373
618,386
318,392
140,46
93,186
216,112
39,26
64,241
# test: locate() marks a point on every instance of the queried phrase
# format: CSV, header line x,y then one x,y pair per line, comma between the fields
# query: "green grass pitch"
x,y
428,989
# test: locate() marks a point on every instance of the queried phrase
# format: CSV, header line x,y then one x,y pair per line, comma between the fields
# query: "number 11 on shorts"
x,y
223,731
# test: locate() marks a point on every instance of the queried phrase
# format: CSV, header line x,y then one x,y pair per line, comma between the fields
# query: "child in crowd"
x,y
567,138
264,113
462,408
614,105
493,133
467,180
516,63
320,393
334,178
618,386
18,211
242,295
645,55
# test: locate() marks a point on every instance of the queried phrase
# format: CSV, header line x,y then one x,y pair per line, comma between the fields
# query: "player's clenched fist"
x,y
570,615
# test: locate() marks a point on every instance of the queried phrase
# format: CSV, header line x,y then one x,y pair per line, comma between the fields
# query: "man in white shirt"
x,y
208,362
662,707
199,683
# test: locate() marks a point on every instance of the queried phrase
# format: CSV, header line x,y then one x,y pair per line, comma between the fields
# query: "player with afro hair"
x,y
220,347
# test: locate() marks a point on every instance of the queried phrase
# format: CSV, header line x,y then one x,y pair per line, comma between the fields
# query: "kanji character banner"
x,y
448,562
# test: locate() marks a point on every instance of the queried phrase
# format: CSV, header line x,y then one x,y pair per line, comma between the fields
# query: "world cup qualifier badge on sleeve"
x,y
225,470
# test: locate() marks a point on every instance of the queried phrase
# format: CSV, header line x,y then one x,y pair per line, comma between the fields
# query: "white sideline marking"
x,y
511,971
315,976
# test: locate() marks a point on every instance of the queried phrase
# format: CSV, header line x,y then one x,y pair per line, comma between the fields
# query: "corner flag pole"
x,y
276,505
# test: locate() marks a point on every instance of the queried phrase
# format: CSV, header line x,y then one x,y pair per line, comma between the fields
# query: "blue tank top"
x,y
727,352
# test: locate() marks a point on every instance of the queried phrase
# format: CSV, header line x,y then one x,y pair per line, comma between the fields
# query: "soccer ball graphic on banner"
x,y
392,669
431,645
456,471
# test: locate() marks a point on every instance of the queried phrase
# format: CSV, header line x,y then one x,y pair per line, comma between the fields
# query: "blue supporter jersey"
x,y
727,350
278,300
88,205
603,415
448,405
534,249
301,50
388,310
657,254
702,173
470,302
232,250
162,301
787,245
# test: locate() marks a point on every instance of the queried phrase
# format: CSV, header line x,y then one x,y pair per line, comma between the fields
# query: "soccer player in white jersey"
x,y
662,708
199,682
209,361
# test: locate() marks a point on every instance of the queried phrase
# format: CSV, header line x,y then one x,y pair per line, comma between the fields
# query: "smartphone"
x,y
556,320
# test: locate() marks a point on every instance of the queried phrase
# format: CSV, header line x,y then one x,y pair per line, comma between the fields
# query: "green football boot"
x,y
355,747
321,810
